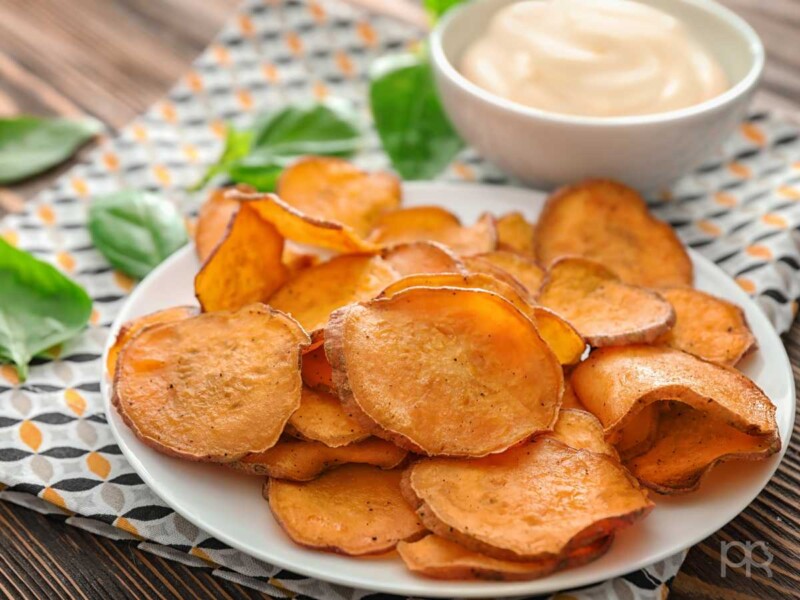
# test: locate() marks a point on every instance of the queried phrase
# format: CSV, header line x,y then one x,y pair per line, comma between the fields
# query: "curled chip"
x,y
333,189
514,233
246,267
434,224
299,460
322,418
642,395
512,505
440,558
708,327
581,430
299,227
522,268
131,328
560,336
688,444
610,223
411,258
212,222
355,510
316,369
444,371
313,294
213,387
605,311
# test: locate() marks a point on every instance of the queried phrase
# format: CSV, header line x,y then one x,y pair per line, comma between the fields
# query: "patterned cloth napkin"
x,y
57,454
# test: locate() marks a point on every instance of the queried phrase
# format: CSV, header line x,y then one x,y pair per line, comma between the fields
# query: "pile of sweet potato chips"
x,y
493,400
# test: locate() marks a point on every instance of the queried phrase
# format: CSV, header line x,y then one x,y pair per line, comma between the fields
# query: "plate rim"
x,y
457,588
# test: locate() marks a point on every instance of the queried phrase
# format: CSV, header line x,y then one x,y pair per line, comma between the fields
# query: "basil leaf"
x,y
237,145
39,307
135,230
410,120
436,8
328,128
30,145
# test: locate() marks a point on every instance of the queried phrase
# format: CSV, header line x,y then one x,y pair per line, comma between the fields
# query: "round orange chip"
x,y
434,224
355,510
313,294
609,222
131,328
616,383
300,460
536,501
322,418
440,558
708,327
515,233
245,267
605,311
522,268
212,222
412,258
212,387
444,371
333,189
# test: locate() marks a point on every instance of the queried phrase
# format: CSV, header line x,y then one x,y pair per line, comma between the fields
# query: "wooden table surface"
x,y
111,59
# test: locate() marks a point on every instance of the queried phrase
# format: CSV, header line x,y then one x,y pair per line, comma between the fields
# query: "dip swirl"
x,y
601,58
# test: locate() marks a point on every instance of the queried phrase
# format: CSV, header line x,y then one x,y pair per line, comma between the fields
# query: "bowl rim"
x,y
716,10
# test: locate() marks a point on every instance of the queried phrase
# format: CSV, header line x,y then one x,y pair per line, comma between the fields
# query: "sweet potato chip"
x,y
522,268
638,434
131,328
333,189
322,418
478,264
244,268
212,222
560,336
212,387
707,326
301,228
610,223
581,430
514,233
444,371
300,460
688,444
412,258
616,383
316,369
434,224
355,510
313,294
605,311
440,558
538,500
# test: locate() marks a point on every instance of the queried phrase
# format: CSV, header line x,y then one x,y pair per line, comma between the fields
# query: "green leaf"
x,y
410,120
135,230
39,307
436,8
30,145
329,128
237,145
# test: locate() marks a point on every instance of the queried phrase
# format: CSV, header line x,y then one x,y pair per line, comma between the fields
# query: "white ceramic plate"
x,y
229,505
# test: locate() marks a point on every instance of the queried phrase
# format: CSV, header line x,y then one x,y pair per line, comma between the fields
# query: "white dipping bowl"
x,y
546,149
